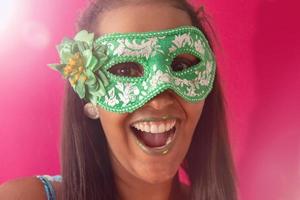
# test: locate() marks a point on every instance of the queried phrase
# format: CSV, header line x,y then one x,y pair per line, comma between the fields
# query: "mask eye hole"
x,y
184,61
128,69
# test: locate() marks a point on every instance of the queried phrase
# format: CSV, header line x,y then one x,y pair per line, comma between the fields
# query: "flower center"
x,y
74,69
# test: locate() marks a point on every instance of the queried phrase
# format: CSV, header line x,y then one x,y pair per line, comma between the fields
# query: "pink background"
x,y
259,65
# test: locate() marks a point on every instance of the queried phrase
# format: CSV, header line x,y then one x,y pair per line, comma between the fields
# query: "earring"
x,y
91,111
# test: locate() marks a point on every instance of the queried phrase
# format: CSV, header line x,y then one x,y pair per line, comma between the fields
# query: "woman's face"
x,y
163,110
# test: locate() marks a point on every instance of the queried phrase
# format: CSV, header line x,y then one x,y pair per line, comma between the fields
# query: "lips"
x,y
156,131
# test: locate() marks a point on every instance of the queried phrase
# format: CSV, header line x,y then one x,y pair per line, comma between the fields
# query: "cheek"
x,y
193,113
195,110
113,125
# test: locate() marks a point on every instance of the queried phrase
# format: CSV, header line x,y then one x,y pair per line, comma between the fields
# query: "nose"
x,y
162,100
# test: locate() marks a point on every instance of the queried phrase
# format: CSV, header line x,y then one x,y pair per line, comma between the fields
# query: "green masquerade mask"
x,y
123,71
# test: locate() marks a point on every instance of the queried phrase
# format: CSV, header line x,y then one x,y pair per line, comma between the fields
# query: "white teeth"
x,y
155,127
138,126
161,128
141,126
168,126
146,128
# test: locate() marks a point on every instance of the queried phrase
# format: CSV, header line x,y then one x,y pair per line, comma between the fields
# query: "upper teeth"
x,y
155,126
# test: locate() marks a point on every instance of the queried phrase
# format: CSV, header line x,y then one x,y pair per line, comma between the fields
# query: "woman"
x,y
131,144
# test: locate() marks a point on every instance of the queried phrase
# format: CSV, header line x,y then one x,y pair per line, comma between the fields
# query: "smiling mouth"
x,y
155,136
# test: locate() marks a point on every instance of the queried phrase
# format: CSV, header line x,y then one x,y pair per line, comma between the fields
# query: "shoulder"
x,y
23,189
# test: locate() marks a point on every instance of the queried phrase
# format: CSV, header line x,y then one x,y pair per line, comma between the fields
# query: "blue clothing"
x,y
46,180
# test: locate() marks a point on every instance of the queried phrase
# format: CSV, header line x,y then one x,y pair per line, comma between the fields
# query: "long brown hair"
x,y
86,167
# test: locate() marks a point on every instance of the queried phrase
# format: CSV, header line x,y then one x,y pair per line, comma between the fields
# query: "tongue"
x,y
154,140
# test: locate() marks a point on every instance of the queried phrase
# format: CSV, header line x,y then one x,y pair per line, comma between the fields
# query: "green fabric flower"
x,y
80,62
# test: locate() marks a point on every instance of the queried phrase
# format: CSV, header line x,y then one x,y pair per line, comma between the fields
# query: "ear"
x,y
91,111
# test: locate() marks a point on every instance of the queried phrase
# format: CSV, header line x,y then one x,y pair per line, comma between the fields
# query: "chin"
x,y
156,177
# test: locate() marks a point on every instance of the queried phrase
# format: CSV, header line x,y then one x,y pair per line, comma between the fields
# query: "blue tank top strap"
x,y
46,180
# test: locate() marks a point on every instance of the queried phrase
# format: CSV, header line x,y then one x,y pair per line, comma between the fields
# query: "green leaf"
x,y
93,64
85,36
82,46
80,89
100,48
57,67
65,50
96,67
65,44
92,98
100,51
94,89
103,78
91,79
75,48
103,60
87,54
101,90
